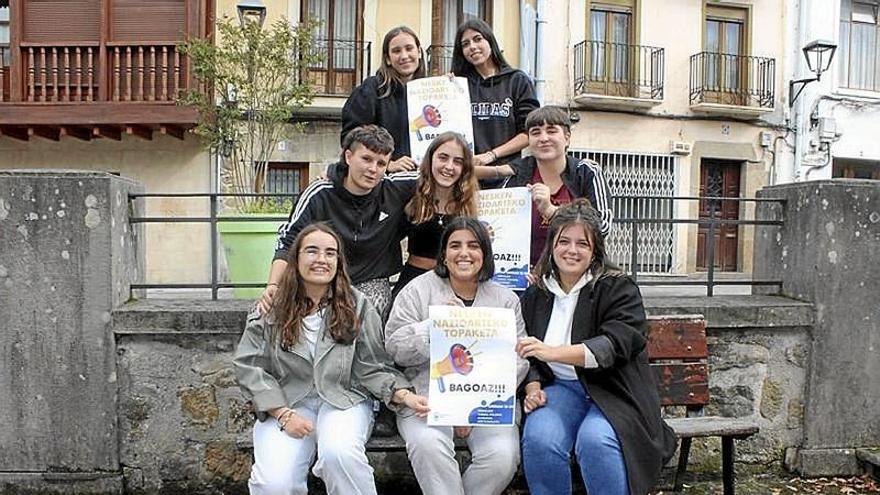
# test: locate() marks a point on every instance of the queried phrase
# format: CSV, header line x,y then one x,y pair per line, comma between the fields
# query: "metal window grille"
x,y
632,175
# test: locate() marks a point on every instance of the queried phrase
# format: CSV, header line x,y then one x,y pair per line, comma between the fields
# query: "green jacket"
x,y
344,375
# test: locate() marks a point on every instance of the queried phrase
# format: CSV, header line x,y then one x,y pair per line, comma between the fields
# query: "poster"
x,y
473,366
507,213
436,105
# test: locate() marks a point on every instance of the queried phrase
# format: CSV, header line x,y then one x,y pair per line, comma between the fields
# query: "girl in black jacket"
x,y
501,98
381,99
589,388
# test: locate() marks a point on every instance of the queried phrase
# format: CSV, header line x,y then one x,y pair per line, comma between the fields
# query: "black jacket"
x,y
365,107
610,319
584,178
370,225
499,107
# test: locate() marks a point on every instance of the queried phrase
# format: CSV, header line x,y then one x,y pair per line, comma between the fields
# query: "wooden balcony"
x,y
107,88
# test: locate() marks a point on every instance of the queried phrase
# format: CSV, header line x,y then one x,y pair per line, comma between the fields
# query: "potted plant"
x,y
251,83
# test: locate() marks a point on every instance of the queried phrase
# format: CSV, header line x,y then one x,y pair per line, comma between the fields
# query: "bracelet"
x,y
270,284
285,418
497,172
494,155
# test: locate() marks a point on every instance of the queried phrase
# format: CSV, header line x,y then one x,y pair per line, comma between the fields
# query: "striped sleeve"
x,y
599,196
300,216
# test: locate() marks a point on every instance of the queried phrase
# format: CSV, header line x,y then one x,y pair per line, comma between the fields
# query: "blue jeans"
x,y
571,419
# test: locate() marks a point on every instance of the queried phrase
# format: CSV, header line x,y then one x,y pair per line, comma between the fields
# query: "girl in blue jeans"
x,y
589,387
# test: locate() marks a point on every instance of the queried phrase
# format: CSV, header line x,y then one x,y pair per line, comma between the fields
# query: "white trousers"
x,y
281,462
494,458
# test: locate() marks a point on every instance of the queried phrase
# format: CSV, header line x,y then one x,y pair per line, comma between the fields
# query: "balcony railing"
x,y
73,73
617,69
728,79
146,72
344,64
439,59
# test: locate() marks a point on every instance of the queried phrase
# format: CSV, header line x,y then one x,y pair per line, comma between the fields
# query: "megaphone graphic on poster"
x,y
460,360
430,117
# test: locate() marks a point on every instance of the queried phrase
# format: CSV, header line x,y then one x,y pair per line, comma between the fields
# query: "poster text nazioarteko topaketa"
x,y
473,366
507,214
436,105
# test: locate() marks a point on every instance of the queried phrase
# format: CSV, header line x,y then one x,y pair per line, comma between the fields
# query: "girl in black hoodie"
x,y
501,98
381,99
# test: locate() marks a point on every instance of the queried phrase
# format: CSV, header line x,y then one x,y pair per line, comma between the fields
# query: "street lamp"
x,y
819,54
251,10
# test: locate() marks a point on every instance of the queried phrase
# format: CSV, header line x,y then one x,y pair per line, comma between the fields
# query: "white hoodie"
x,y
559,328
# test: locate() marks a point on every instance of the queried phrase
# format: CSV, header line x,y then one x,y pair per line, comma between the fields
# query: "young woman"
x,y
554,177
381,99
446,188
461,277
309,367
589,387
501,98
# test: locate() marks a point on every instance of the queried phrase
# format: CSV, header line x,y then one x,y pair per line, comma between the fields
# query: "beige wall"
x,y
174,252
612,131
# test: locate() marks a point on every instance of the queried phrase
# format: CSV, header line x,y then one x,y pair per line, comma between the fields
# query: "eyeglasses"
x,y
314,253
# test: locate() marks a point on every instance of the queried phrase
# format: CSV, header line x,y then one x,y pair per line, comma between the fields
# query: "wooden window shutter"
x,y
53,21
148,20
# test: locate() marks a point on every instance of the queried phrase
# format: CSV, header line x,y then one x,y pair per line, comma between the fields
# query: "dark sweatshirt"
x,y
365,107
499,107
371,226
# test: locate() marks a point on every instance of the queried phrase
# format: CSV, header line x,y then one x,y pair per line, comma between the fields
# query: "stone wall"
x,y
827,253
182,425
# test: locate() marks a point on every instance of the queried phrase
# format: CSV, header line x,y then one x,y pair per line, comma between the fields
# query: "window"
x,y
338,38
287,177
447,16
611,35
725,30
859,53
852,168
4,34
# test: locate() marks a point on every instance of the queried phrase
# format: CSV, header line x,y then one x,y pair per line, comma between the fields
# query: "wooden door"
x,y
719,178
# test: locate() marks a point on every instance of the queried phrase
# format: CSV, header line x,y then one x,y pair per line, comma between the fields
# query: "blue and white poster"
x,y
507,213
473,366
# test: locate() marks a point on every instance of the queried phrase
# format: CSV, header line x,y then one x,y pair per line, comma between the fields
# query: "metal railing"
x,y
343,65
618,69
439,59
730,79
712,224
632,267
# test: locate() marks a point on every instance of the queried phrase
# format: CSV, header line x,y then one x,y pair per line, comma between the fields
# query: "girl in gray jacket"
x,y
310,367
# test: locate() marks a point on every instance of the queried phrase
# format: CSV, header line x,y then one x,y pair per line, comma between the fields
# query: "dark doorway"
x,y
719,178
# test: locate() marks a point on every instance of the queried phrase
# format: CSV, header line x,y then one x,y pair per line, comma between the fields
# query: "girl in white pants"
x,y
310,366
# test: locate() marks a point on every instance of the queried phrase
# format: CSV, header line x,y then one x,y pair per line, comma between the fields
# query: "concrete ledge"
x,y
61,483
742,311
828,462
187,316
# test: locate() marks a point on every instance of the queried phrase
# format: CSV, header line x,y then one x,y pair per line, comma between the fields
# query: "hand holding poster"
x,y
473,366
436,105
507,213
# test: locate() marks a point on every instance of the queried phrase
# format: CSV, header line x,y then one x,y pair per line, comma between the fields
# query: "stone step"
x,y
870,459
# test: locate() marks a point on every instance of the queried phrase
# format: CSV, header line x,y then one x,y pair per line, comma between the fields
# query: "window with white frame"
x,y
859,53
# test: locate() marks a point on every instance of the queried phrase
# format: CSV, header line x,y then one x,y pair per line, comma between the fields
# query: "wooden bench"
x,y
678,353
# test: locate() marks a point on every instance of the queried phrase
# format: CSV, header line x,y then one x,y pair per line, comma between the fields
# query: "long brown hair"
x,y
578,212
292,304
463,202
388,77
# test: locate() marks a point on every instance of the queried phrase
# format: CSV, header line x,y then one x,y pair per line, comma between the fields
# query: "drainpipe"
x,y
540,82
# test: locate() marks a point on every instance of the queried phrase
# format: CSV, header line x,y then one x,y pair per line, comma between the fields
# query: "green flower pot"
x,y
249,248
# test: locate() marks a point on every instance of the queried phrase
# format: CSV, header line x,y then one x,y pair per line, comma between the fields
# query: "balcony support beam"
x,y
173,131
50,133
140,131
81,133
20,133
109,132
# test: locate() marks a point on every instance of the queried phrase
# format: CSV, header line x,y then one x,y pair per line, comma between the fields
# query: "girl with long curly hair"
x,y
309,366
446,188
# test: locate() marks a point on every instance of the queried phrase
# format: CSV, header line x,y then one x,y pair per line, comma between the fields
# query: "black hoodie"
x,y
499,107
365,107
370,225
